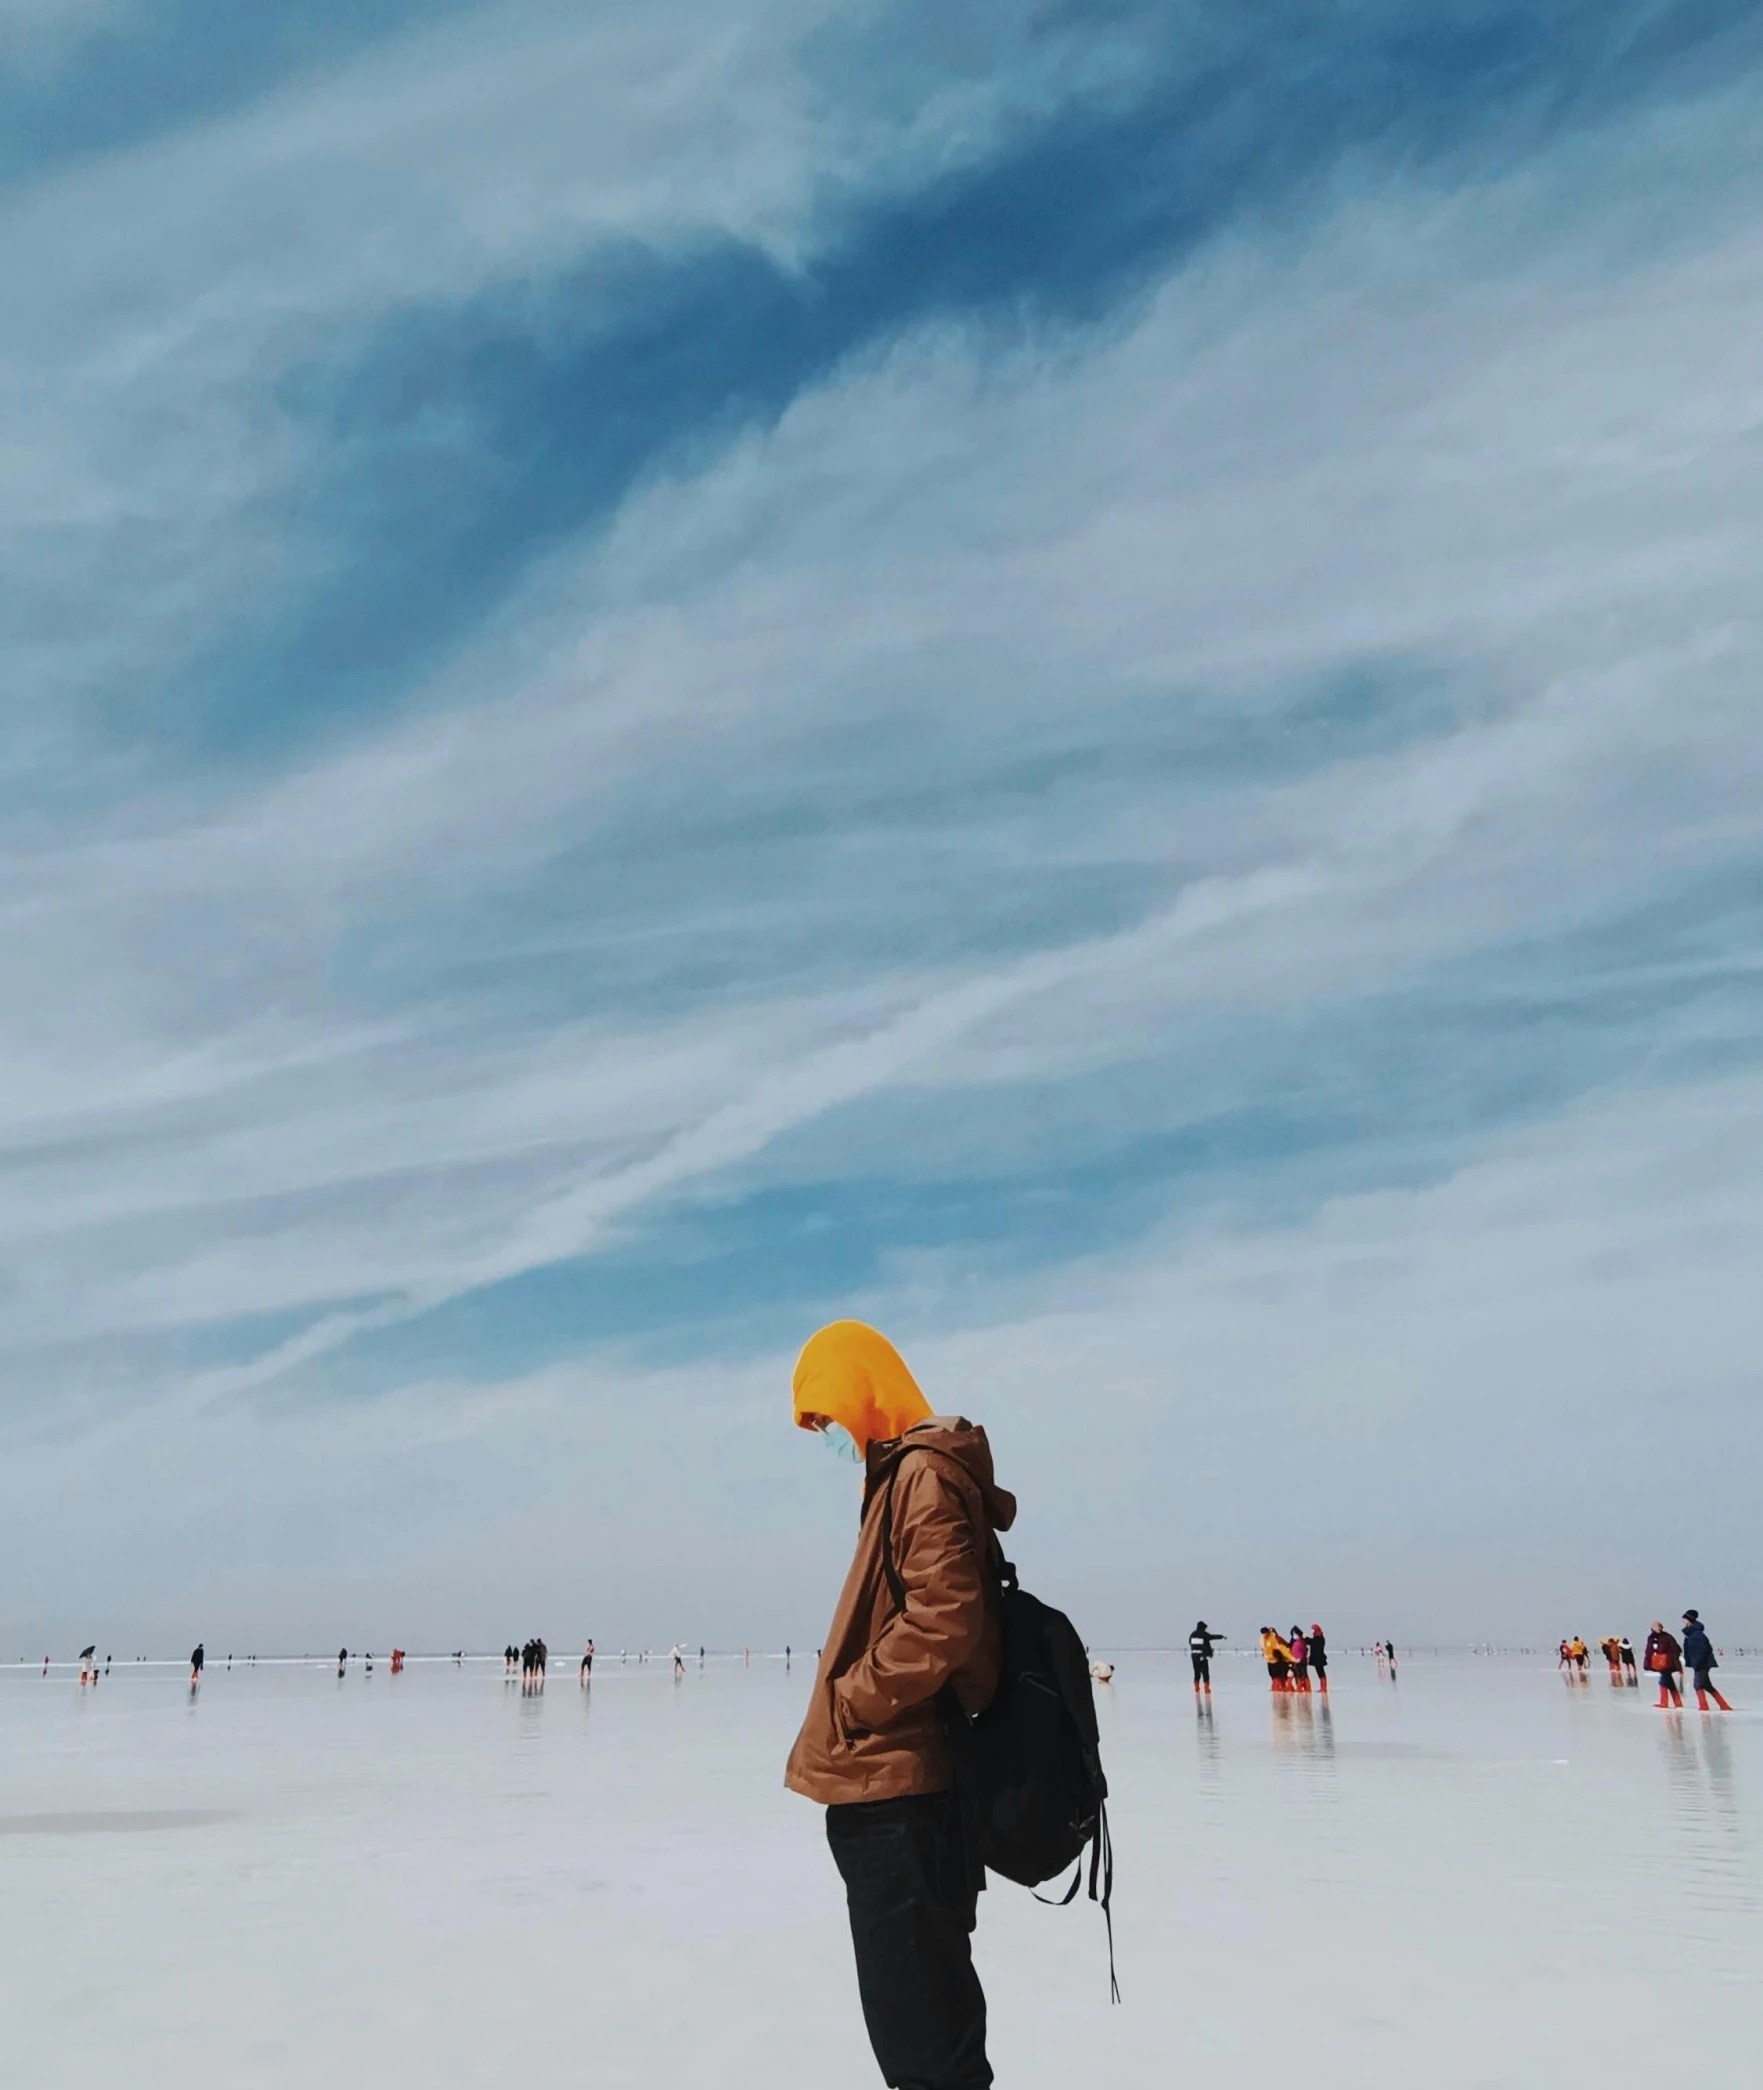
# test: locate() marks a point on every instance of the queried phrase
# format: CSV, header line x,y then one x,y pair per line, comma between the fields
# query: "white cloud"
x,y
1495,1372
1513,469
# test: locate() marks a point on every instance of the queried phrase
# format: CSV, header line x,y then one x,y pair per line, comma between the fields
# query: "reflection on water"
x,y
1303,1724
1707,1830
1427,1874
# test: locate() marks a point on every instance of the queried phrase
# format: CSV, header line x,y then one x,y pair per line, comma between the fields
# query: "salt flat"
x,y
1477,1876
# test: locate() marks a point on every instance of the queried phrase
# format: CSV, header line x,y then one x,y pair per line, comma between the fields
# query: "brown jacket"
x,y
872,1731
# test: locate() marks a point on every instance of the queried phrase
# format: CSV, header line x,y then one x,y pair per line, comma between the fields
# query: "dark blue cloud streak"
x,y
464,441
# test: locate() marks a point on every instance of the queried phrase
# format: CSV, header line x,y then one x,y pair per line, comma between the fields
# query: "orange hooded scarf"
x,y
851,1374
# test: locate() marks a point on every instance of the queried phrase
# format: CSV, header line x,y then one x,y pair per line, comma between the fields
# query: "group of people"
x,y
1294,1658
1667,1656
532,1658
1574,1657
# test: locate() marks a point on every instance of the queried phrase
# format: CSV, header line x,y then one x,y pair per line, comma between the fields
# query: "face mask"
x,y
843,1444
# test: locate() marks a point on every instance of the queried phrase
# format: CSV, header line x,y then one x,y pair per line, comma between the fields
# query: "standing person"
x,y
1665,1660
342,1659
1698,1652
1630,1676
872,1748
1278,1657
1201,1641
587,1669
1389,1648
196,1660
1300,1660
679,1659
1319,1658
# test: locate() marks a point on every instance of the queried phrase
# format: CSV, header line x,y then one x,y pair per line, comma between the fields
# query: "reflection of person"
x,y
1201,1641
872,1748
1698,1652
1665,1660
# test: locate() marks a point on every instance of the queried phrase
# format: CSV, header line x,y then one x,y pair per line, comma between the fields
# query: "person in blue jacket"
x,y
1698,1653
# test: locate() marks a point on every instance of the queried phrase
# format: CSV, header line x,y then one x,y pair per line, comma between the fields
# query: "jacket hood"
x,y
852,1375
959,1439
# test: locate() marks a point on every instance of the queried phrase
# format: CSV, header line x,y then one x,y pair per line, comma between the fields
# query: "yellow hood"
x,y
853,1375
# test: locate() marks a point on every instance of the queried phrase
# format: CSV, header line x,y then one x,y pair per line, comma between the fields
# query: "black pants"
x,y
1202,1669
911,1924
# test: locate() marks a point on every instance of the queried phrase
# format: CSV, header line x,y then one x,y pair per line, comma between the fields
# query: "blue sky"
x,y
1085,680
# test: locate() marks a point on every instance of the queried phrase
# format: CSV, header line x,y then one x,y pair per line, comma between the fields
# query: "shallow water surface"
x,y
1476,1876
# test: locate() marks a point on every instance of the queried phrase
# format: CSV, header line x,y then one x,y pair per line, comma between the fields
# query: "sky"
x,y
1081,679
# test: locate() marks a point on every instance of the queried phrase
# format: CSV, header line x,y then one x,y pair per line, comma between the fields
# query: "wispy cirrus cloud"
x,y
918,670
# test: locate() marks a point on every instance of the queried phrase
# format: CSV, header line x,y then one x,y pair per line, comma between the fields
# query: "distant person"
x,y
508,1659
871,1748
1201,1641
543,1654
1607,1647
1319,1658
587,1668
1389,1649
1277,1654
679,1659
1664,1658
1625,1651
342,1659
197,1658
1698,1653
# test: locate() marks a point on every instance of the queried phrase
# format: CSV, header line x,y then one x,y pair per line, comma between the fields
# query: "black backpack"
x,y
1028,1770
